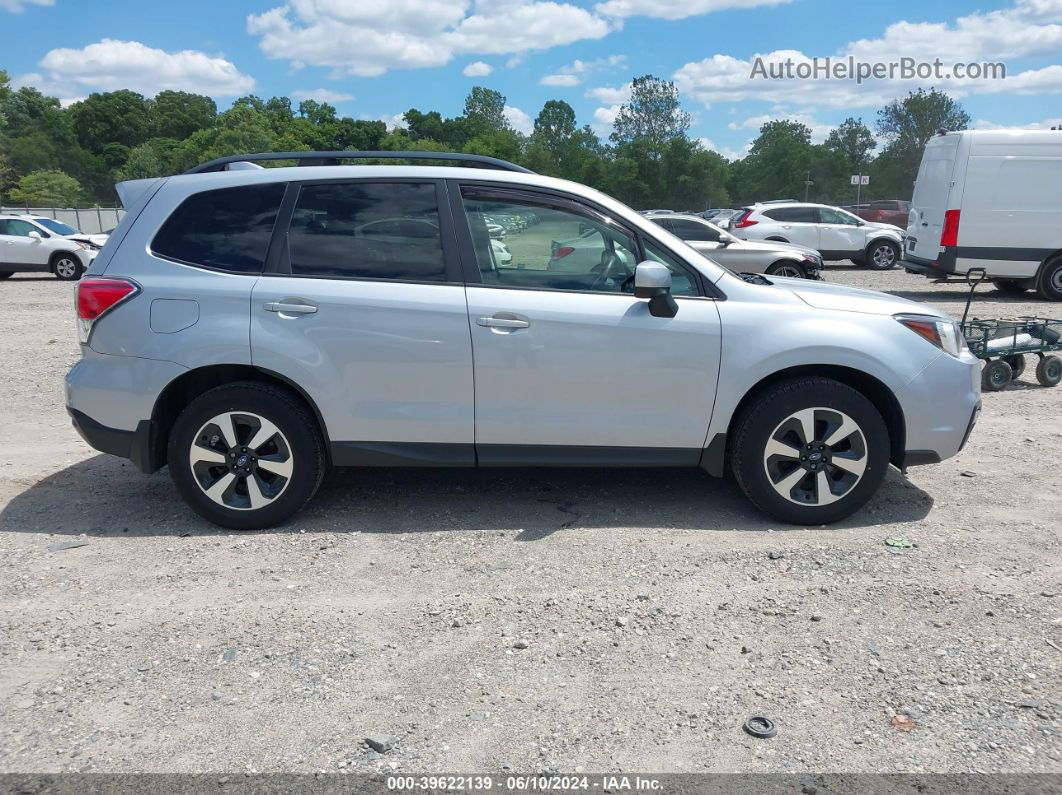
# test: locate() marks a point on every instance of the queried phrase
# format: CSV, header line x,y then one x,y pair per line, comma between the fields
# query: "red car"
x,y
890,211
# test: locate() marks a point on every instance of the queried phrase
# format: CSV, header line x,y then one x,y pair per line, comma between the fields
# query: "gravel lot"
x,y
525,620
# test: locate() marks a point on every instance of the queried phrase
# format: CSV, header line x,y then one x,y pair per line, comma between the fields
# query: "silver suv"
x,y
252,327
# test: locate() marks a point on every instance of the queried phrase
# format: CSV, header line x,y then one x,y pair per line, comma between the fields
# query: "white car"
x,y
835,233
31,243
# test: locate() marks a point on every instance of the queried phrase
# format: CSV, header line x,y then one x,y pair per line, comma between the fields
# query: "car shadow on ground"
x,y
106,497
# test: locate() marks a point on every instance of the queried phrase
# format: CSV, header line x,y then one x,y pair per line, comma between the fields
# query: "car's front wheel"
x,y
246,455
785,268
810,451
882,255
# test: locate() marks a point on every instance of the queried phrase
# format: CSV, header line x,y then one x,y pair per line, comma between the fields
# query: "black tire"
x,y
1017,365
1009,286
1050,285
780,268
6,275
995,375
67,267
881,255
1049,371
300,443
771,411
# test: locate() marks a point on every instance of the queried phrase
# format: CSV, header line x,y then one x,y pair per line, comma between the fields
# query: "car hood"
x,y
96,240
889,227
774,245
825,295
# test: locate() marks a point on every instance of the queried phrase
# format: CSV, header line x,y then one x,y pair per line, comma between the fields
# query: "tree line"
x,y
56,156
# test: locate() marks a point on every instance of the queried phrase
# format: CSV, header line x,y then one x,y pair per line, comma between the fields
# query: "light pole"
x,y
807,186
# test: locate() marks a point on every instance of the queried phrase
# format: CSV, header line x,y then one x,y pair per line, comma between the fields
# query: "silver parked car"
x,y
241,328
749,256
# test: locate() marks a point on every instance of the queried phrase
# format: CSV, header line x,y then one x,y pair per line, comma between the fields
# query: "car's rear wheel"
x,y
783,268
810,451
882,255
67,267
246,455
1050,286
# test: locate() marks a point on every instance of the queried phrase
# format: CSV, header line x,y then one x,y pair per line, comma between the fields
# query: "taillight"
x,y
97,297
562,252
949,233
743,221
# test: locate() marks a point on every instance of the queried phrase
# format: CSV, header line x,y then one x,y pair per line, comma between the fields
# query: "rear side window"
x,y
366,230
691,230
799,215
227,229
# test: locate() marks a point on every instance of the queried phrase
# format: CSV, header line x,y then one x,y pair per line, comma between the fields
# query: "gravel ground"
x,y
525,620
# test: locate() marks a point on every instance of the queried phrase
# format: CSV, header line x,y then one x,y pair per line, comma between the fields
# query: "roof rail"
x,y
333,158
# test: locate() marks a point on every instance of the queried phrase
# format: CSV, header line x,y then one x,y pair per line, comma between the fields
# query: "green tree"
x,y
178,114
46,189
778,162
653,114
485,111
114,117
853,141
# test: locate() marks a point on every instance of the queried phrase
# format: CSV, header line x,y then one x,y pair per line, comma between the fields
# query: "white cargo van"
x,y
990,199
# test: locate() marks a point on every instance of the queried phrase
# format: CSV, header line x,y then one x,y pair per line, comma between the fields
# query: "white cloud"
x,y
394,121
18,6
559,80
606,115
519,120
1046,124
407,34
819,130
610,95
728,152
674,9
110,64
322,95
513,62
1028,28
477,69
572,74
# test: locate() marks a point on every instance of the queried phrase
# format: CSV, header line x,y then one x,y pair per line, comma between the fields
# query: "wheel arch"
x,y
55,255
776,239
882,239
717,455
184,388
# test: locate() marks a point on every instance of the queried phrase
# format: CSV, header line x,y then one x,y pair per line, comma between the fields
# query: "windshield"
x,y
56,226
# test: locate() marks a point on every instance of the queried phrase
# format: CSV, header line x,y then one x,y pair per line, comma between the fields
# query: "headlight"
x,y
945,334
816,261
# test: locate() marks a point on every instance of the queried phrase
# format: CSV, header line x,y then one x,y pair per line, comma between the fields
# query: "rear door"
x,y
363,307
932,191
796,225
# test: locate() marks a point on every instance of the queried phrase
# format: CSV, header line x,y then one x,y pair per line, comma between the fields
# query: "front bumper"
x,y
940,407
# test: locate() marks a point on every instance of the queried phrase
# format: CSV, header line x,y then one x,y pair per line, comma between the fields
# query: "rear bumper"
x,y
134,445
941,267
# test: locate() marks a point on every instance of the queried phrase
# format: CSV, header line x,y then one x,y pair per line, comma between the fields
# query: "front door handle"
x,y
503,322
290,309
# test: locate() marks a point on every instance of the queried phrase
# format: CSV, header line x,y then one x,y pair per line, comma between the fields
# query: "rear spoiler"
x,y
132,190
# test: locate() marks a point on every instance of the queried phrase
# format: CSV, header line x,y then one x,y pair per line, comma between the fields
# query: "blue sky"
x,y
377,58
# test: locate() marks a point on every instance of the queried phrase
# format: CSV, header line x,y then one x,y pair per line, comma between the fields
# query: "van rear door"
x,y
932,193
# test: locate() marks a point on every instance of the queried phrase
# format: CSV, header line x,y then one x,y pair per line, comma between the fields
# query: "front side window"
x,y
548,246
831,216
681,279
226,229
367,230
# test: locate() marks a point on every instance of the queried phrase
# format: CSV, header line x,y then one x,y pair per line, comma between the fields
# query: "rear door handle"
x,y
290,309
503,322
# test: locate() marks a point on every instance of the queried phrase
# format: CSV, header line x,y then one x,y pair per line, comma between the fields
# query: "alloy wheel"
x,y
883,256
241,460
66,268
790,271
815,456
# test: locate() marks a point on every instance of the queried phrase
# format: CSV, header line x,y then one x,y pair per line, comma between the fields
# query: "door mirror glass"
x,y
35,235
652,280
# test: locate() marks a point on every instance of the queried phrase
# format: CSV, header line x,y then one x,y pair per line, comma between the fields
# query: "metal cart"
x,y
1003,344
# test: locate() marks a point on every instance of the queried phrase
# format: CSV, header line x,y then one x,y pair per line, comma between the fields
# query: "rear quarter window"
x,y
226,229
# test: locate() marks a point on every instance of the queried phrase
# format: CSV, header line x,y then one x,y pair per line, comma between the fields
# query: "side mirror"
x,y
652,280
35,235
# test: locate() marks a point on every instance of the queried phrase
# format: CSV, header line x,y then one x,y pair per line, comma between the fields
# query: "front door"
x,y
840,235
365,310
21,249
569,365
